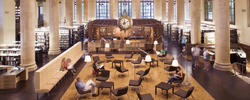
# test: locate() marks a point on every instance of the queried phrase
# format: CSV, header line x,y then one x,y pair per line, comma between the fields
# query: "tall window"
x,y
102,9
208,10
167,9
147,8
74,15
125,5
187,10
232,11
175,10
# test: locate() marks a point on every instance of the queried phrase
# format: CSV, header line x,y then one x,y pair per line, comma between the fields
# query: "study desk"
x,y
9,79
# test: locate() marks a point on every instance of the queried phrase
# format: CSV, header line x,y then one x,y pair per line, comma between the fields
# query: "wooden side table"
x,y
102,85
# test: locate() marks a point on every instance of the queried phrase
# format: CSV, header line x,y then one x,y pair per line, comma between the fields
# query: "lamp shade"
x,y
175,63
107,45
148,58
155,42
87,58
127,41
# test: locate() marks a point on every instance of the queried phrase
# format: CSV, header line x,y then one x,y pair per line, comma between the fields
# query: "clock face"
x,y
124,22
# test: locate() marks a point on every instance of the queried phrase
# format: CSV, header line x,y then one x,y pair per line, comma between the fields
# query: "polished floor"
x,y
156,75
219,85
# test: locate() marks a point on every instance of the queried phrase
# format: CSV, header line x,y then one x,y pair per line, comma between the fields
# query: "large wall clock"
x,y
125,22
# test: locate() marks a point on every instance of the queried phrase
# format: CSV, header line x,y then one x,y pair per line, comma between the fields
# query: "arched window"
x,y
102,9
125,5
147,8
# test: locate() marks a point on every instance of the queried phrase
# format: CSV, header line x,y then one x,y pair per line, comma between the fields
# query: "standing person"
x,y
89,85
196,53
206,58
183,40
183,43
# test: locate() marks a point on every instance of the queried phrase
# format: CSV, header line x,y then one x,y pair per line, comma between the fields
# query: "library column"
x,y
136,14
69,12
85,4
79,11
164,18
111,9
170,11
180,12
222,35
195,21
54,48
28,34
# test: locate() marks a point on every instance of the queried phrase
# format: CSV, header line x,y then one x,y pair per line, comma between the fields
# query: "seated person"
x,y
70,67
161,53
64,65
98,68
89,85
177,76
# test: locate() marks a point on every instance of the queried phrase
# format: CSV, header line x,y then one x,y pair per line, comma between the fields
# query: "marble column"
x,y
46,13
69,12
158,9
115,9
62,12
91,10
170,11
79,11
222,35
180,12
85,10
164,10
136,12
27,34
195,22
54,44
7,22
111,9
36,15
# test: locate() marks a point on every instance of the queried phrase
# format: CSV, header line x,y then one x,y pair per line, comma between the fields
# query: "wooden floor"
x,y
157,75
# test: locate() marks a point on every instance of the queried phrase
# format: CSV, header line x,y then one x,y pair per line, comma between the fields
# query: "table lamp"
x,y
127,41
148,58
87,58
107,45
175,63
155,42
